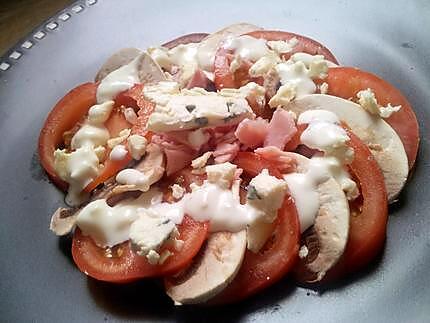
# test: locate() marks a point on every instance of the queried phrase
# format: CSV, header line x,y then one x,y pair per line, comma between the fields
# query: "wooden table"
x,y
19,17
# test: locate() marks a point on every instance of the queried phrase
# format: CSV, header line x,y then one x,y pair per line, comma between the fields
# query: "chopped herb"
x,y
190,107
202,121
229,105
252,193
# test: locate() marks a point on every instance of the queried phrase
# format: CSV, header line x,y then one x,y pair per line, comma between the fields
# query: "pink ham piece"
x,y
225,152
284,160
199,79
252,133
281,129
178,156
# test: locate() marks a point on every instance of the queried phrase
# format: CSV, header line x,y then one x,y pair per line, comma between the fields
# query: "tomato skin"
x,y
368,229
65,114
114,124
277,257
223,77
274,261
305,44
128,266
345,82
253,164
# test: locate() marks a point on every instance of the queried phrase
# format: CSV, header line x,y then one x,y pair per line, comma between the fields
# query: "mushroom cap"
x,y
211,271
381,139
118,59
327,239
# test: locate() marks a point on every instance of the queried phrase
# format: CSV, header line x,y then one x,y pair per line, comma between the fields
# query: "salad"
x,y
219,163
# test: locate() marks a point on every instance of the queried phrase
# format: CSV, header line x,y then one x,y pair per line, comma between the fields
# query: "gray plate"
x,y
38,279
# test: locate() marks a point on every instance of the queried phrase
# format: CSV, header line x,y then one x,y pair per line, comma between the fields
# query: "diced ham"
x,y
178,156
284,160
281,129
225,152
252,133
199,79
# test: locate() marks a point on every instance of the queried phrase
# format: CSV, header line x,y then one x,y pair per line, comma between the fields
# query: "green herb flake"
x,y
202,121
229,105
190,107
252,193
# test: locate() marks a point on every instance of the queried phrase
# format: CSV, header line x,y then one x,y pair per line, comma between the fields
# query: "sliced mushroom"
x,y
63,221
120,58
149,70
152,166
325,242
382,140
212,270
209,45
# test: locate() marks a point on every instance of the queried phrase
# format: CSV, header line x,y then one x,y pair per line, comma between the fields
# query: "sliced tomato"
x,y
65,114
253,164
274,261
122,265
278,255
114,124
368,222
345,82
305,44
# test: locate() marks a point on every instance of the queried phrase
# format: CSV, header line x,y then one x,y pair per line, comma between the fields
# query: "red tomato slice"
x,y
122,265
72,108
253,164
304,45
368,214
345,82
66,113
114,124
274,261
368,225
279,254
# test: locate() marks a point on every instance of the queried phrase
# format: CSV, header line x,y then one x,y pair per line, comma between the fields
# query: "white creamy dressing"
x,y
247,47
108,225
303,188
118,152
200,55
325,134
296,75
184,54
213,201
93,133
81,166
118,81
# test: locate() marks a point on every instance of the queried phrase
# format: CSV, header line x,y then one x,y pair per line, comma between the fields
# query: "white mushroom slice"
x,y
120,58
326,240
63,221
213,269
209,45
144,174
382,140
149,71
